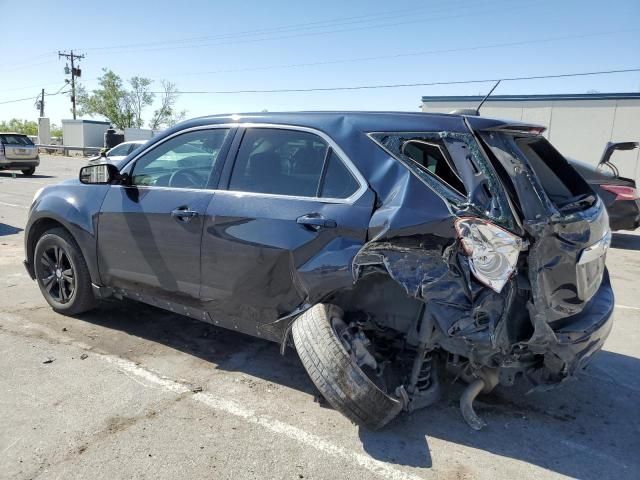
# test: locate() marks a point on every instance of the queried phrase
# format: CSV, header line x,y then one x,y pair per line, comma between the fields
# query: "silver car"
x,y
119,152
17,152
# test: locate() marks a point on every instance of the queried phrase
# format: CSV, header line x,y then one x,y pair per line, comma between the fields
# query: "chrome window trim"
x,y
344,158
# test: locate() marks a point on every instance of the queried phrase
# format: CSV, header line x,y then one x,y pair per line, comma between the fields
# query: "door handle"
x,y
184,214
316,222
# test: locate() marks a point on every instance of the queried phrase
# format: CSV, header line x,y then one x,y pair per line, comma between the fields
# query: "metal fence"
x,y
65,149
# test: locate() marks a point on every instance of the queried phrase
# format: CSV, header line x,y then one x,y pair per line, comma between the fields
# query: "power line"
x,y
397,55
484,11
417,84
372,87
14,68
316,24
364,59
31,87
404,55
295,26
59,92
282,28
18,100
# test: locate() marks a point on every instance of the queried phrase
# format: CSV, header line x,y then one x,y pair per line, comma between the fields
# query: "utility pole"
x,y
75,72
42,104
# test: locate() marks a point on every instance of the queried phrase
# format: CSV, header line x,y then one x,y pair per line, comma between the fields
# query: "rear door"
x,y
150,228
295,213
18,147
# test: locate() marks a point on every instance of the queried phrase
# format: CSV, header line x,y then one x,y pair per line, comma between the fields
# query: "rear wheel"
x,y
336,373
29,171
62,273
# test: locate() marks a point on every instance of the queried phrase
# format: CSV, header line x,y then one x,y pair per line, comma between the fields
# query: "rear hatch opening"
x,y
567,225
562,185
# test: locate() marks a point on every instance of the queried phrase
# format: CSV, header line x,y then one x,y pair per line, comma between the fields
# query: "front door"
x,y
293,217
150,228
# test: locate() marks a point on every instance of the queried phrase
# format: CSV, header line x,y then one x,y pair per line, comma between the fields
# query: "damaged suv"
x,y
387,248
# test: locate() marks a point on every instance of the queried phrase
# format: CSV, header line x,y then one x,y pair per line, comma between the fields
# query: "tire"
x,y
63,271
340,380
29,171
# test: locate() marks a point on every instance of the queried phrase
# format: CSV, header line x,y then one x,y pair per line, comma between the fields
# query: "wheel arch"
x,y
44,223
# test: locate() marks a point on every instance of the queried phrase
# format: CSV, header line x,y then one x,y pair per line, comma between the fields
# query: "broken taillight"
x,y
492,251
622,192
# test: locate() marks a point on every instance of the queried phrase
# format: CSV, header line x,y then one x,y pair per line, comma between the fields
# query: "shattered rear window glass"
x,y
454,167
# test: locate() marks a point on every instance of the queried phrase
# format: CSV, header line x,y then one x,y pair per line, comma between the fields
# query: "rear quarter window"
x,y
451,164
290,162
338,181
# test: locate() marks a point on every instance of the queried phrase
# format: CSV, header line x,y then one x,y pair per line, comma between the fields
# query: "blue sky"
x,y
244,45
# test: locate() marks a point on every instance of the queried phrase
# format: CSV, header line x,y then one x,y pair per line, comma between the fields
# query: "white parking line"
x,y
625,307
14,205
276,426
21,180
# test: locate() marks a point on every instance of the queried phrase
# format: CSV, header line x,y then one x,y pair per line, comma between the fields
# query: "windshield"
x,y
18,140
120,150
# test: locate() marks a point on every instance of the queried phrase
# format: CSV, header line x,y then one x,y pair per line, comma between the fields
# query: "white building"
x,y
83,133
579,125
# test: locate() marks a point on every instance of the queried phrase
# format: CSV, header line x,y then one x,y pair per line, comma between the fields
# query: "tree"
x,y
56,131
166,115
140,98
112,100
26,127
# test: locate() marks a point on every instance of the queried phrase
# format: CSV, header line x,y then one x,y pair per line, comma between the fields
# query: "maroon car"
x,y
619,194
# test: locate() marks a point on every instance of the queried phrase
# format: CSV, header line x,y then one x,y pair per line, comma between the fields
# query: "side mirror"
x,y
99,174
103,153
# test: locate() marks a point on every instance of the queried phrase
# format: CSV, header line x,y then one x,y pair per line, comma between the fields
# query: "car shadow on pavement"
x,y
625,241
224,349
584,429
18,174
8,229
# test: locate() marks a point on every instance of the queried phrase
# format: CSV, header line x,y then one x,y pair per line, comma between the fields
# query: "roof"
x,y
81,120
533,98
337,123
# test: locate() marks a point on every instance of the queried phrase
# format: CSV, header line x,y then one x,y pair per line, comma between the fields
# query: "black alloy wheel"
x,y
62,273
58,276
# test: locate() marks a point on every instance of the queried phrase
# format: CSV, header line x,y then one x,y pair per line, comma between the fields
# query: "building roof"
x,y
533,98
82,120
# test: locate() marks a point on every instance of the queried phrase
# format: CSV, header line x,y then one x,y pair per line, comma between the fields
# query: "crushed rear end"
x,y
510,282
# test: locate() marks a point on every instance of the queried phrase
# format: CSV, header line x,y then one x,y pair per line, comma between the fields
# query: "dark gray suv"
x,y
388,248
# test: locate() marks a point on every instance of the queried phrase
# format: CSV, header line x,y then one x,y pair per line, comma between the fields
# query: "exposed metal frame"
x,y
461,196
446,159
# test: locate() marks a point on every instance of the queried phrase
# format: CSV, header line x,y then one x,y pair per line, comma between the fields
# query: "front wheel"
x,y
335,372
29,171
62,273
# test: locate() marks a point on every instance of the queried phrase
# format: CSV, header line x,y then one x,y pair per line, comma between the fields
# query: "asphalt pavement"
x,y
131,391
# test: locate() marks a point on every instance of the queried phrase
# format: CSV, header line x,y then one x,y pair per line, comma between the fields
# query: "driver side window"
x,y
185,161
